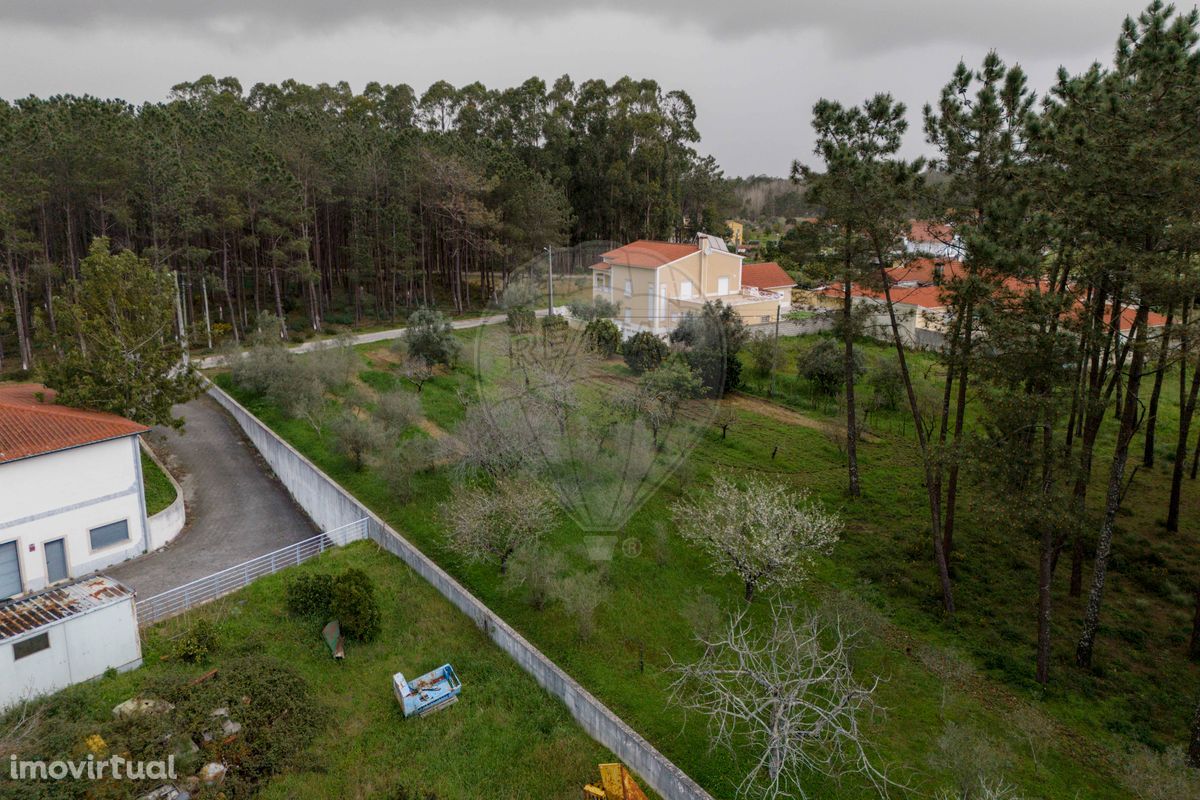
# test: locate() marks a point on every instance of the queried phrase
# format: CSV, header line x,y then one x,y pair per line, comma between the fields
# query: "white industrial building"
x,y
71,495
61,636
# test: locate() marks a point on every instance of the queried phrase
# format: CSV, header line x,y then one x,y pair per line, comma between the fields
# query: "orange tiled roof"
x,y
647,253
920,230
767,275
30,427
926,270
924,296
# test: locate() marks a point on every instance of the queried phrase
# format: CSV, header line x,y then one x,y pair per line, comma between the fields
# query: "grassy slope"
x,y
505,739
160,492
883,561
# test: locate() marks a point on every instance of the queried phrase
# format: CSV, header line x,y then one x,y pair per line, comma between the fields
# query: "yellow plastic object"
x,y
619,784
590,791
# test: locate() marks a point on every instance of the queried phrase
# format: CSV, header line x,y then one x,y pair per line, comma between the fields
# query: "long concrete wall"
x,y
330,506
166,524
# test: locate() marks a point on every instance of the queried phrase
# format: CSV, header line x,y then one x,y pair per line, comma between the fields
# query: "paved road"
x,y
236,509
208,362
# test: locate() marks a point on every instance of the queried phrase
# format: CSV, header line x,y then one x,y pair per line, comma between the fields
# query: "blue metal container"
x,y
431,692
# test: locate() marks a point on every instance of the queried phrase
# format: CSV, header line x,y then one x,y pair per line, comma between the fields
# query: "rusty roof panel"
x,y
28,614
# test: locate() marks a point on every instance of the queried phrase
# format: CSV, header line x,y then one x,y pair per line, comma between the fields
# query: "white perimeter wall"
x,y
81,648
66,494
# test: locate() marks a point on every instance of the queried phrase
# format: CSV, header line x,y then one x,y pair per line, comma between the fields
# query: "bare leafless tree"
x,y
786,694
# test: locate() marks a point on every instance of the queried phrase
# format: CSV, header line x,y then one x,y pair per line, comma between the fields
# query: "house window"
x,y
685,290
34,644
628,288
723,285
628,316
10,570
108,535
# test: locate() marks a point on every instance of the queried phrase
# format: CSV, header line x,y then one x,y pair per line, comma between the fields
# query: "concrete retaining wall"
x,y
166,524
331,506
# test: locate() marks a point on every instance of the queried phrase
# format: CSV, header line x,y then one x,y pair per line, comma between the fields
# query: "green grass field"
x,y
972,673
160,492
506,738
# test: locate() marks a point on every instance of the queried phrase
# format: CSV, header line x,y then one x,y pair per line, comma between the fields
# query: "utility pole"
x,y
775,353
550,276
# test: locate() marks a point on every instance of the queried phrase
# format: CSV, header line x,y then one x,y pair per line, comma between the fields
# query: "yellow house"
x,y
657,283
736,232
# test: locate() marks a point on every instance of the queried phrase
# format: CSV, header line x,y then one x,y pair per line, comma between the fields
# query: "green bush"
x,y
354,605
309,595
825,365
521,319
430,336
644,351
887,384
603,337
197,642
553,323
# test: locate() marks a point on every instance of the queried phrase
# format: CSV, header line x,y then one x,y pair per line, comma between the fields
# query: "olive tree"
x,y
763,533
489,525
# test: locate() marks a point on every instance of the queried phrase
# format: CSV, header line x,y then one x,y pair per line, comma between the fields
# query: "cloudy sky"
x,y
754,67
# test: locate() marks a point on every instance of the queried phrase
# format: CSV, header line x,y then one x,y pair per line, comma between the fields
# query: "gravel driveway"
x,y
236,510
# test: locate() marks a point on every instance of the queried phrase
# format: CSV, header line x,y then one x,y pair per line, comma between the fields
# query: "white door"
x,y
723,285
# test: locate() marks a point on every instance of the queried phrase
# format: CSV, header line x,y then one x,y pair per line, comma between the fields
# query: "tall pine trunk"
x,y
1116,478
851,413
1159,372
931,488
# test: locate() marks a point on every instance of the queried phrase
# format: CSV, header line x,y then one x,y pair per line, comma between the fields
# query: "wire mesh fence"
x,y
211,587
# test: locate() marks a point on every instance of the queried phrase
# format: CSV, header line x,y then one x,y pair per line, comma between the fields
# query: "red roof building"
x,y
767,275
31,424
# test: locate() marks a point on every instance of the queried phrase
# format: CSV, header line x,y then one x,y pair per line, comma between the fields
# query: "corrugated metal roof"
x,y
31,423
28,614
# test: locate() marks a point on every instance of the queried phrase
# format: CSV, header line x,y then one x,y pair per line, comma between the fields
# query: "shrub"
x,y
603,337
355,438
554,323
580,594
535,569
644,351
404,461
825,365
430,336
521,319
197,642
354,605
309,595
764,354
587,311
887,384
398,410
1151,775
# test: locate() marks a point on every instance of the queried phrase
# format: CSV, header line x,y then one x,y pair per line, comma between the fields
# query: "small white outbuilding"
x,y
62,636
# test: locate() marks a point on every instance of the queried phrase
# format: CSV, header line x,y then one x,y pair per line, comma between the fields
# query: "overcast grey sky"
x,y
754,67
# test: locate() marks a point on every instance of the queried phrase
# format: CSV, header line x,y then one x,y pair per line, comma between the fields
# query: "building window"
x,y
34,644
108,535
10,570
628,316
723,285
628,288
685,290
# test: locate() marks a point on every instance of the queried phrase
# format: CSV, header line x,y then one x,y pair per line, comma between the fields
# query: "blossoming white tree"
x,y
764,533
